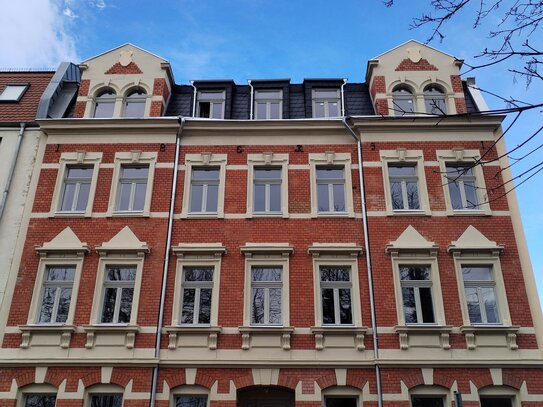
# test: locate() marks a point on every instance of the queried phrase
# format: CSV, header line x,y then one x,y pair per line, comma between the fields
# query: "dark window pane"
x,y
212,198
108,310
59,273
426,305
205,306
414,272
268,173
474,310
260,198
196,197
211,174
341,402
80,172
107,400
476,273
266,273
63,305
335,273
124,196
134,108
261,111
191,401
275,111
333,109
413,195
104,108
47,304
328,313
205,109
329,173
83,197
275,197
139,197
68,197
275,305
491,308
396,195
198,273
402,106
345,312
126,305
118,273
257,306
471,195
134,172
40,400
409,305
187,311
426,401
339,197
217,111
496,402
319,109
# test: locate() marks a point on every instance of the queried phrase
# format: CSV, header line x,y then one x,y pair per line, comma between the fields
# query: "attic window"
x,y
13,92
434,99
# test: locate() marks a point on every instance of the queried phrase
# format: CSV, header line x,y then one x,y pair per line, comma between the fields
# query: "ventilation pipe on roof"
x,y
368,258
343,98
252,99
12,169
166,262
193,99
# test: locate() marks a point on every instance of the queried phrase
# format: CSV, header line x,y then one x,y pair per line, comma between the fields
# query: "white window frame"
x,y
501,392
32,389
263,160
143,99
409,158
431,391
334,254
135,158
342,392
18,96
106,260
464,157
492,260
118,286
102,390
75,159
262,255
326,101
212,101
266,286
75,260
261,98
331,159
197,255
199,161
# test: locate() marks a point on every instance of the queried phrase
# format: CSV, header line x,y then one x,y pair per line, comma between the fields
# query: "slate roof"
x,y
296,98
25,109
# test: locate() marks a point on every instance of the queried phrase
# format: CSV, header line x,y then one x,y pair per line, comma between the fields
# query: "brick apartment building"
x,y
324,243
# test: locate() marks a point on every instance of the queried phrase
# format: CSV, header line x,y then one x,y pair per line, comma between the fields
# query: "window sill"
x,y
469,212
248,331
128,214
128,330
65,332
212,333
74,214
338,330
471,332
409,212
424,329
267,215
201,215
333,215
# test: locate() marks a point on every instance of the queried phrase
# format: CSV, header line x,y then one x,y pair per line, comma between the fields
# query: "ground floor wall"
x,y
309,387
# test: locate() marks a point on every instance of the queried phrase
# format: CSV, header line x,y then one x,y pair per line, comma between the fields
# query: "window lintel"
x,y
320,249
199,249
279,249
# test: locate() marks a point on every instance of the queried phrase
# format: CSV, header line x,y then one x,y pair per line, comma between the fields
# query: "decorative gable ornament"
x,y
125,57
414,55
473,241
123,242
411,241
66,242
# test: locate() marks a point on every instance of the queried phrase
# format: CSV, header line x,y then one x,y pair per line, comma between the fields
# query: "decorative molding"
x,y
248,331
282,249
472,332
128,330
64,332
338,249
357,333
411,241
174,332
199,249
408,330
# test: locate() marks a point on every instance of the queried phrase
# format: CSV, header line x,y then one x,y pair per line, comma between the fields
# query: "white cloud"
x,y
101,4
35,34
69,13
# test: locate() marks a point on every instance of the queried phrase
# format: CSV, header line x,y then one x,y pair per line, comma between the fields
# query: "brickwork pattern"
x,y
422,65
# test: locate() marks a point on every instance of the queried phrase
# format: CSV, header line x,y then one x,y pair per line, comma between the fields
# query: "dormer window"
x,y
104,103
326,103
402,101
134,104
434,100
211,104
268,104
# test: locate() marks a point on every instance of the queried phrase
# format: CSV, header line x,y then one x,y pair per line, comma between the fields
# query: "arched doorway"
x,y
265,397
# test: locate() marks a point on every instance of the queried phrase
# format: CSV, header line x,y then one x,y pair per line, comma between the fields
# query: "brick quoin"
x,y
456,83
377,86
84,88
460,104
422,65
79,110
381,107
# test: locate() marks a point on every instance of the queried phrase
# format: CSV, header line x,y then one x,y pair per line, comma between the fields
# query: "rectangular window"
x,y
462,185
13,93
326,103
132,188
118,294
266,287
106,400
197,288
56,294
76,190
341,401
421,401
335,284
267,189
268,104
211,105
496,402
416,288
480,289
404,189
204,190
331,189
190,401
40,400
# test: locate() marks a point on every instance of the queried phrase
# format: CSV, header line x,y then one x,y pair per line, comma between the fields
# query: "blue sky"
x,y
248,39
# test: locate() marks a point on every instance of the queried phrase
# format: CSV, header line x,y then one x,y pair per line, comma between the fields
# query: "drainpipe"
x,y
166,261
252,99
368,260
193,99
12,169
343,98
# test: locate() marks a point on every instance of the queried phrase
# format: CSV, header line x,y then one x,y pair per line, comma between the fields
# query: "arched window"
x,y
104,103
402,100
134,103
434,100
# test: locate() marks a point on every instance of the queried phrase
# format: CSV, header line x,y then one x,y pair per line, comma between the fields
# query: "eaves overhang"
x,y
158,125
